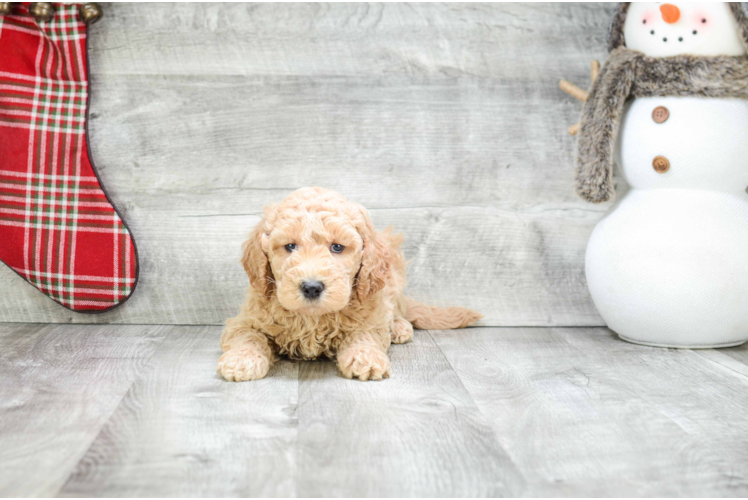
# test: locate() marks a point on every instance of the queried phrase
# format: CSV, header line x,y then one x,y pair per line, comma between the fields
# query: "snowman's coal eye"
x,y
703,20
644,21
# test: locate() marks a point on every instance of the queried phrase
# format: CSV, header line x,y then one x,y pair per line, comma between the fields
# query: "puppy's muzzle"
x,y
312,289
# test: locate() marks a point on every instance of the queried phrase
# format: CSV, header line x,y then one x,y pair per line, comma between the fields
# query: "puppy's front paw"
x,y
402,331
243,364
364,363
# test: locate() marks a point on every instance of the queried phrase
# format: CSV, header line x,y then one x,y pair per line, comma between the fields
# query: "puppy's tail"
x,y
426,317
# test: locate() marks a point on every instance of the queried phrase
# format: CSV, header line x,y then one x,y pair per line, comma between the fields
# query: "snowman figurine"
x,y
668,264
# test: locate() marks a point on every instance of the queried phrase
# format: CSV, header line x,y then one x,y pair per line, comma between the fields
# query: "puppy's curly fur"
x,y
361,310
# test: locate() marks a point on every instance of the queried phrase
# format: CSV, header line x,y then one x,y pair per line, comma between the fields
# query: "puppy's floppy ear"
x,y
255,261
376,261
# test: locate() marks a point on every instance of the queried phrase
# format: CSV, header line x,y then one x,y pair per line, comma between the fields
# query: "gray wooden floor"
x,y
105,410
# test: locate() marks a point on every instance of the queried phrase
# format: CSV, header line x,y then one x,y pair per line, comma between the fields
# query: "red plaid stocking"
x,y
58,228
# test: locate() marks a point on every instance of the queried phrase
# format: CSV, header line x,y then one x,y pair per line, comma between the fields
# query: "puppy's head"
x,y
314,252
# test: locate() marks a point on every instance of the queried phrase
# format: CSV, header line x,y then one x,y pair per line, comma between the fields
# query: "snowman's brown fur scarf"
x,y
629,74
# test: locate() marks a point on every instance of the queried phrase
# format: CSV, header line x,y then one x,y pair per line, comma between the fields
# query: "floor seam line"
x,y
742,375
478,408
297,446
114,409
472,327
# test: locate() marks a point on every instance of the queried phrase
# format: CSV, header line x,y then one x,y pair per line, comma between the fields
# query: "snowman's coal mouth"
x,y
664,39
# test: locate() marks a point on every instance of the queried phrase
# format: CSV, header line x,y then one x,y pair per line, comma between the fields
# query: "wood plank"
x,y
582,413
173,435
739,353
59,385
516,268
181,430
508,411
417,433
734,359
435,40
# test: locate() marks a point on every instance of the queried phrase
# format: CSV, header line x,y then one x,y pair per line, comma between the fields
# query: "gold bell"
x,y
90,12
42,11
5,8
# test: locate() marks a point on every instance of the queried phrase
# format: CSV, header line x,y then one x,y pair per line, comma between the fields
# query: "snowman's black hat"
x,y
615,34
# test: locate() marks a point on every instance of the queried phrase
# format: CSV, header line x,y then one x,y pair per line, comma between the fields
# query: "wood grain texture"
x,y
121,410
304,430
581,412
417,433
58,386
444,119
182,430
739,353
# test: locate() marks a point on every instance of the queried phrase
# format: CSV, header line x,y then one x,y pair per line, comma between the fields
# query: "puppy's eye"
x,y
290,247
336,248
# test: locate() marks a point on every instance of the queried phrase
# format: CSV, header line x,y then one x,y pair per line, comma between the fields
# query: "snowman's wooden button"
x,y
660,114
661,164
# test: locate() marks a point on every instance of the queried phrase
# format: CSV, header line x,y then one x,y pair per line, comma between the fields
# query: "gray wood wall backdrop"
x,y
445,120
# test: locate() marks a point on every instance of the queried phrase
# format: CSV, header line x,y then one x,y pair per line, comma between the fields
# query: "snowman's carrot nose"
x,y
670,13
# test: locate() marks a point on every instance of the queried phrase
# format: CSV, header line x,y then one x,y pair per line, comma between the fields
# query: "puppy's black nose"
x,y
312,289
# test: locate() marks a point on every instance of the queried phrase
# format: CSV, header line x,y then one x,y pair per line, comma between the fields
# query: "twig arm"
x,y
572,90
580,94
